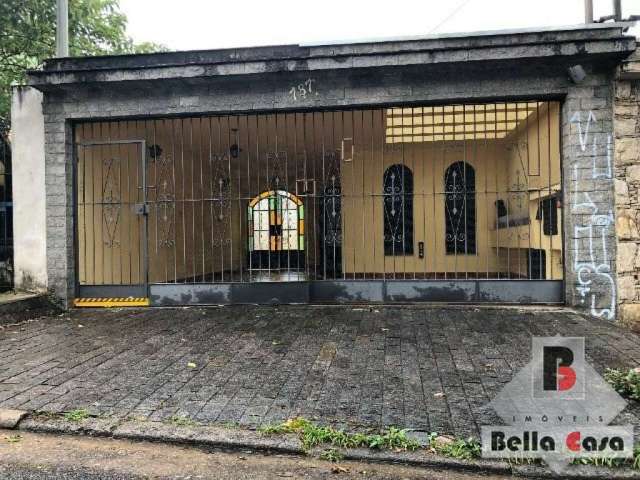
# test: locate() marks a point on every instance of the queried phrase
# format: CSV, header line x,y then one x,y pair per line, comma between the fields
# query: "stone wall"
x,y
627,187
589,225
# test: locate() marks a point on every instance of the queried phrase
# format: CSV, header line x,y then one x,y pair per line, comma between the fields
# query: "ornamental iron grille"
x,y
398,210
460,208
111,204
331,219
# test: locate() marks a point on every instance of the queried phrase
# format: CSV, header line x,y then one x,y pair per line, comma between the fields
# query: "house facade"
x,y
465,168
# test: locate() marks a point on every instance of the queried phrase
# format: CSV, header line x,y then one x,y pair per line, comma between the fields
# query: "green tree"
x,y
28,36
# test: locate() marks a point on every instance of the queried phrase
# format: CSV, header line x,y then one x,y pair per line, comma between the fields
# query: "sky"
x,y
209,24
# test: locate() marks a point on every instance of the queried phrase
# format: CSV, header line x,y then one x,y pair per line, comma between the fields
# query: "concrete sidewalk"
x,y
426,368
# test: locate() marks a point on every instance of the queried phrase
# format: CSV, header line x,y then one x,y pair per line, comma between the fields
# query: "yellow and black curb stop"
x,y
111,302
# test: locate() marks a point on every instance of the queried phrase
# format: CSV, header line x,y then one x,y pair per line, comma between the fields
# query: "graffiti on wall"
x,y
593,224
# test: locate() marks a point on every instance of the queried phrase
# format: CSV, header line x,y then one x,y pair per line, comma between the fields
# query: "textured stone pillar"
x,y
627,189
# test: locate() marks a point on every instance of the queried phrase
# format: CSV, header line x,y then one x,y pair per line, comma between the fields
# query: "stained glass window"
x,y
276,222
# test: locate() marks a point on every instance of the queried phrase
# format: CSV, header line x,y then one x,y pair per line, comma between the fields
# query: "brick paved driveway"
x,y
432,369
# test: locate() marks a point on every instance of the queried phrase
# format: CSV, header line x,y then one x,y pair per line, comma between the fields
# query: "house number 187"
x,y
302,90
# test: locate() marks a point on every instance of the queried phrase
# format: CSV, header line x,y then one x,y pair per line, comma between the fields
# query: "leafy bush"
x,y
626,383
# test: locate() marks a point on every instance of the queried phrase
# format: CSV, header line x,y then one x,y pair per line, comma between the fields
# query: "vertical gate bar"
x,y
219,159
434,195
123,205
473,154
504,110
485,153
258,165
269,187
403,198
318,169
192,199
313,165
466,191
291,118
284,206
257,161
324,202
363,160
497,187
455,242
353,179
372,197
442,182
242,248
310,224
230,212
183,201
518,188
561,194
379,182
145,225
174,200
414,195
127,201
201,201
101,200
422,159
334,143
539,190
528,182
243,216
211,201
85,200
156,203
96,182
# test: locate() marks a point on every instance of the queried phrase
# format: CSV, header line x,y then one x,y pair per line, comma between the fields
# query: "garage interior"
x,y
439,193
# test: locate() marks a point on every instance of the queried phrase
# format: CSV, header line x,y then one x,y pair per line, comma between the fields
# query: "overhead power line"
x,y
450,16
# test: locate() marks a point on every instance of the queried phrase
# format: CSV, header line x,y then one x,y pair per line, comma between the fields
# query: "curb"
x,y
214,437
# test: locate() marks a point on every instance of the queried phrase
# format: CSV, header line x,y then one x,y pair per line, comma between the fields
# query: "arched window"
x,y
460,208
398,210
276,222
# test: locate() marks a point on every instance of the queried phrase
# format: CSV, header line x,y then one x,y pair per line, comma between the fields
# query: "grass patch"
x,y
180,421
332,455
633,463
626,383
460,448
313,435
76,415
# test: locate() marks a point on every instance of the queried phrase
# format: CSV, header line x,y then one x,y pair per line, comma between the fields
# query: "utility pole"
x,y
617,10
588,11
62,29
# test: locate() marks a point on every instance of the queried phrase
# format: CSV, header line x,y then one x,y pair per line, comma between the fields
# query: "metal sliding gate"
x,y
459,203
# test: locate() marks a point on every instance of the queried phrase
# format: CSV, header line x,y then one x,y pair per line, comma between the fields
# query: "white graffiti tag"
x,y
593,228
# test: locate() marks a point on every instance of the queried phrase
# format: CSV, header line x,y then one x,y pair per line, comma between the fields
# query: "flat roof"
x,y
511,37
571,43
